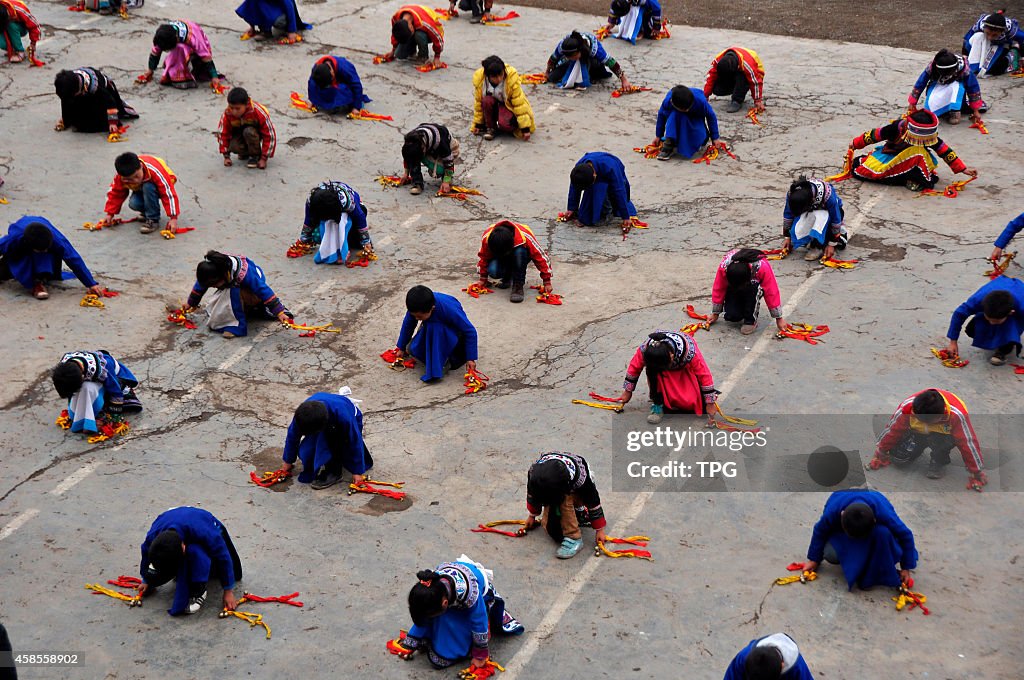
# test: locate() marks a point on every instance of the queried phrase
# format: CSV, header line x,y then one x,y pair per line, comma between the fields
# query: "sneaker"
x,y
416,190
668,147
489,134
149,226
325,479
229,335
504,283
748,328
252,162
812,254
914,186
39,291
476,20
196,603
953,117
997,359
509,625
517,293
733,106
657,411
569,548
936,470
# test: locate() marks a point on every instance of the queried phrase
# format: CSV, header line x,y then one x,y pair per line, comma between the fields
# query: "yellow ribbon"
x,y
802,578
595,404
252,618
135,601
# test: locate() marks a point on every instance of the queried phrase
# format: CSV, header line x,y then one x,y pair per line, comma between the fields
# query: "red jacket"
x,y
762,272
18,12
956,423
423,19
154,170
523,235
751,66
255,115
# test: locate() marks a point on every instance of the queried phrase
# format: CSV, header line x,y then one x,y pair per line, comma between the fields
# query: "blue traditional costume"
x,y
869,561
345,92
608,194
993,57
474,610
447,336
268,15
106,387
20,262
687,130
947,86
987,335
247,292
1011,230
336,239
339,444
793,665
206,542
821,223
589,67
641,18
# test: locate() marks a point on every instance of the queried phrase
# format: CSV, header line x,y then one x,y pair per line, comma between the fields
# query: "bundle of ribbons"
x,y
847,171
777,253
713,152
952,189
603,32
730,422
634,223
641,541
218,88
300,249
306,331
663,33
118,134
269,478
174,233
254,619
290,41
299,103
429,66
632,89
383,58
446,14
491,20
980,127
535,78
754,120
387,181
396,363
949,360
545,297
839,264
93,300
999,268
704,321
475,290
398,648
363,114
803,577
649,151
460,193
367,486
125,582
490,528
97,226
564,216
108,428
364,259
909,599
601,402
475,381
179,317
803,331
480,672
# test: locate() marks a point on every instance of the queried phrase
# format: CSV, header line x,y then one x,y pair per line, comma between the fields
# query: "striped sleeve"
x,y
897,427
539,257
966,439
164,187
754,78
268,134
224,133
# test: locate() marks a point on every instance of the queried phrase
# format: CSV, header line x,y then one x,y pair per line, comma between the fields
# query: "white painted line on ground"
x,y
568,595
17,522
74,478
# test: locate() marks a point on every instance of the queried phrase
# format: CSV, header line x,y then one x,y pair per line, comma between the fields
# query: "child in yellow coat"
x,y
500,104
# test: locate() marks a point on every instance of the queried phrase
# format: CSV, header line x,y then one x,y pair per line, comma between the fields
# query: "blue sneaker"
x,y
569,548
656,413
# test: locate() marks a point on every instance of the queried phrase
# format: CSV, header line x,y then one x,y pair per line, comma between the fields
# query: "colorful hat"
x,y
921,134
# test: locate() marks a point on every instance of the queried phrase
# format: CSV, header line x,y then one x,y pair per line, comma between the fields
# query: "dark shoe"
x,y
936,470
489,135
733,106
668,147
416,190
325,479
252,162
517,293
474,20
185,85
748,328
503,284
196,603
997,359
813,253
39,291
914,186
149,226
954,117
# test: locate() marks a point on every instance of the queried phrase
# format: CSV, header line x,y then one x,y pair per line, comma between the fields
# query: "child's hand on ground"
x,y
358,479
811,566
830,251
625,396
526,136
713,317
531,522
437,61
953,348
230,601
759,106
904,576
284,318
996,254
973,172
59,127
406,179
601,535
261,164
96,290
787,244
227,162
470,366
172,224
780,323
446,187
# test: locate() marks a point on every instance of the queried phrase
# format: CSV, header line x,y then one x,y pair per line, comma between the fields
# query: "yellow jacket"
x,y
515,101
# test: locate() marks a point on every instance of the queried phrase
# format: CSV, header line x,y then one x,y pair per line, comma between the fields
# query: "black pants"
x,y
732,84
475,6
914,444
5,649
743,305
334,465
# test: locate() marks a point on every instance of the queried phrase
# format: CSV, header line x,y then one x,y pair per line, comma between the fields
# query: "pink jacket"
x,y
762,274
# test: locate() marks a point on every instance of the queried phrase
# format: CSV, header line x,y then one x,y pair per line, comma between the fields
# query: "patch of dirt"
x,y
378,505
270,459
897,23
884,252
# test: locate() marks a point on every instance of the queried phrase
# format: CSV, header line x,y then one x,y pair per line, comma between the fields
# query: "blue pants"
x,y
688,133
870,561
451,636
596,204
512,266
146,201
434,344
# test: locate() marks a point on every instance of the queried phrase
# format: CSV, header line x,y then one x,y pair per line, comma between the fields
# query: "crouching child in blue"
x,y
185,544
240,290
334,86
326,434
446,339
775,657
996,313
95,383
454,608
34,251
686,122
860,530
598,187
335,223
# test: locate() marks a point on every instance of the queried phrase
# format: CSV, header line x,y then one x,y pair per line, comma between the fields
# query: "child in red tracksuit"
x,y
246,130
742,279
151,183
931,419
506,250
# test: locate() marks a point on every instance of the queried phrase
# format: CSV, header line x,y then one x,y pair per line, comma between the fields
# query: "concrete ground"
x,y
72,513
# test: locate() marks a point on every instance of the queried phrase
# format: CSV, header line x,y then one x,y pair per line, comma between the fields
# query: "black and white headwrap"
x,y
466,587
683,347
93,365
346,194
181,28
88,80
576,465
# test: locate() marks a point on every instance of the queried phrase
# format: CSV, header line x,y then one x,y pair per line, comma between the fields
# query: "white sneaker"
x,y
196,603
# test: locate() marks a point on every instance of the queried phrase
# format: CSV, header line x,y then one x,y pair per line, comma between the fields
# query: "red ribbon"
x,y
429,66
366,487
130,582
269,478
547,298
283,599
692,313
614,400
391,357
632,89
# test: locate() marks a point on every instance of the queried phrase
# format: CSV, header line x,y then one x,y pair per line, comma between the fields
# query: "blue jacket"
x,y
830,523
348,93
263,13
701,110
343,436
610,170
1008,331
1011,230
797,671
20,258
200,531
447,311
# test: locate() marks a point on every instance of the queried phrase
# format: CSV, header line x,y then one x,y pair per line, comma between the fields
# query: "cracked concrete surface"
x,y
217,409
